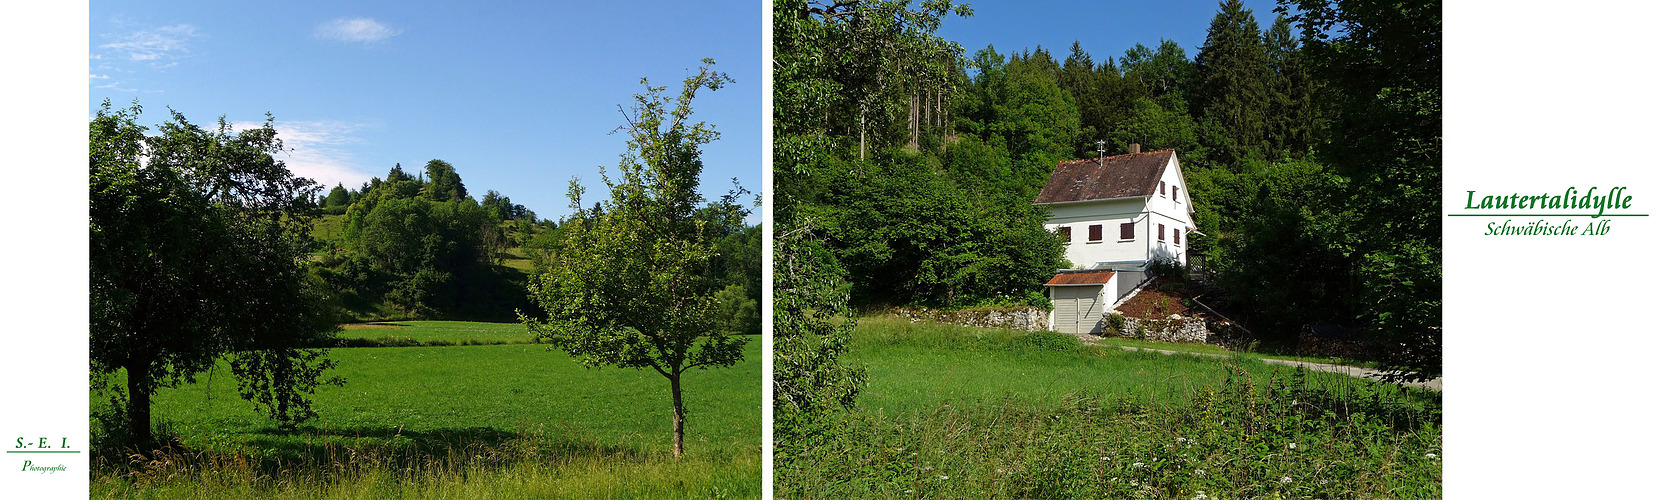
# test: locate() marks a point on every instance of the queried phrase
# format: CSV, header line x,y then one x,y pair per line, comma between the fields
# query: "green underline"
x,y
9,451
1547,215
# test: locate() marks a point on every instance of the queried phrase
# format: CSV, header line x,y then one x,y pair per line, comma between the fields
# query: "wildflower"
x,y
943,477
1431,456
1201,496
1105,459
1292,446
1285,479
1137,465
1199,473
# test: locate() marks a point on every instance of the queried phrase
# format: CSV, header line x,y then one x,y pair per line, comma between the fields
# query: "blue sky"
x,y
1104,28
519,96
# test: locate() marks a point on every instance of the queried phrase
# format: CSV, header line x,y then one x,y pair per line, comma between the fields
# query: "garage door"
x,y
1077,309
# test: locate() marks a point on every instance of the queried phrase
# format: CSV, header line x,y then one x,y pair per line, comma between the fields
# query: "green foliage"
x,y
1233,79
958,412
811,328
442,183
907,233
198,238
1382,64
418,258
628,286
1114,323
739,314
1156,127
337,197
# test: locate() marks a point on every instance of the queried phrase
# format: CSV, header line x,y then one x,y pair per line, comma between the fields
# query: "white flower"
x,y
1292,446
1199,473
1201,496
1431,456
1104,459
1137,464
943,477
1285,479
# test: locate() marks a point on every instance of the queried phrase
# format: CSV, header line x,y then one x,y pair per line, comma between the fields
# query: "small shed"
x,y
1080,299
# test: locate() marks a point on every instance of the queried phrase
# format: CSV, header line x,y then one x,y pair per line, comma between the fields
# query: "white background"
x,y
1549,341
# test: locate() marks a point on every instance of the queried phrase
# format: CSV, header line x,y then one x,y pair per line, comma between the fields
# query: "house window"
x,y
1094,232
1065,234
1177,233
1175,192
1160,188
1126,231
1160,232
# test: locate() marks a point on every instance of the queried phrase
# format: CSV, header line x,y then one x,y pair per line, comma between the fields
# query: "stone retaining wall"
x,y
1029,319
1166,330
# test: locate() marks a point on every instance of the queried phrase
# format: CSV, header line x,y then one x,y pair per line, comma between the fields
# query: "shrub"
x,y
1114,323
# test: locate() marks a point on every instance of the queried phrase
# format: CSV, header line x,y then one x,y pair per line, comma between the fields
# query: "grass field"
x,y
328,227
437,332
955,412
513,420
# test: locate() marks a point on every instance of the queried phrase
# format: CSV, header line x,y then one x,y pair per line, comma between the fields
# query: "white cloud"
x,y
116,86
359,29
95,76
319,150
157,46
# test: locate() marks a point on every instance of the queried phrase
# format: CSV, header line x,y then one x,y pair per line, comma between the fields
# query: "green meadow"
x,y
959,412
498,420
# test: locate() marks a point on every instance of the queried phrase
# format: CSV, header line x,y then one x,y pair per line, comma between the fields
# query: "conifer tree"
x,y
1232,100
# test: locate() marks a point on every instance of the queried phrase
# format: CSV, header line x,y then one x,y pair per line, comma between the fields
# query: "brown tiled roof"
x,y
1082,278
1121,176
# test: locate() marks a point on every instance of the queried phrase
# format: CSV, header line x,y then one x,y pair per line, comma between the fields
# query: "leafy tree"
x,y
811,326
442,183
337,197
1165,73
1156,127
629,287
198,244
1381,63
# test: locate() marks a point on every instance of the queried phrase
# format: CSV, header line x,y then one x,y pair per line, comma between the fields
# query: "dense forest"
x,y
422,247
1312,147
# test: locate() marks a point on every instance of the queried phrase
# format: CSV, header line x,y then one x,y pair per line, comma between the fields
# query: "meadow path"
x,y
1352,371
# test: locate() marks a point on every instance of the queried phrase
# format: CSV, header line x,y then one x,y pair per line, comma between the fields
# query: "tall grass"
x,y
965,413
525,465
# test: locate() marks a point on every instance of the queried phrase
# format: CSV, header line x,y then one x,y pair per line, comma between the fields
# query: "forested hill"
x,y
1310,139
421,246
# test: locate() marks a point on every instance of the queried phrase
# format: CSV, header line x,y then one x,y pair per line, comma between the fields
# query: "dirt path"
x,y
1352,371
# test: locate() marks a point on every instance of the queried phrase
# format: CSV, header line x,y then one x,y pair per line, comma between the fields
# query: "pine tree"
x,y
1232,100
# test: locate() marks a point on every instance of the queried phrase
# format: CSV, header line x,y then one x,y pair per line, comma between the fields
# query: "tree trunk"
x,y
860,130
138,403
679,416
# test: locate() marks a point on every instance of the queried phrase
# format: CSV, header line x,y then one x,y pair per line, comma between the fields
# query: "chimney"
x,y
1134,147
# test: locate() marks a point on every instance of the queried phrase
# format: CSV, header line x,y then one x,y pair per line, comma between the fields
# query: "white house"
x,y
1117,216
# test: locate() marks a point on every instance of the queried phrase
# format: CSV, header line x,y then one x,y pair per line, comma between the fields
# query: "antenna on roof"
x,y
1102,144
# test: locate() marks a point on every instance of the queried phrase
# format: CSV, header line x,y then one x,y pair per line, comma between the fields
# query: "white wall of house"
x,y
1172,208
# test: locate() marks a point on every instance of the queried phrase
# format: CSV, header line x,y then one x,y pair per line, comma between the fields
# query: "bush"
x,y
1114,323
